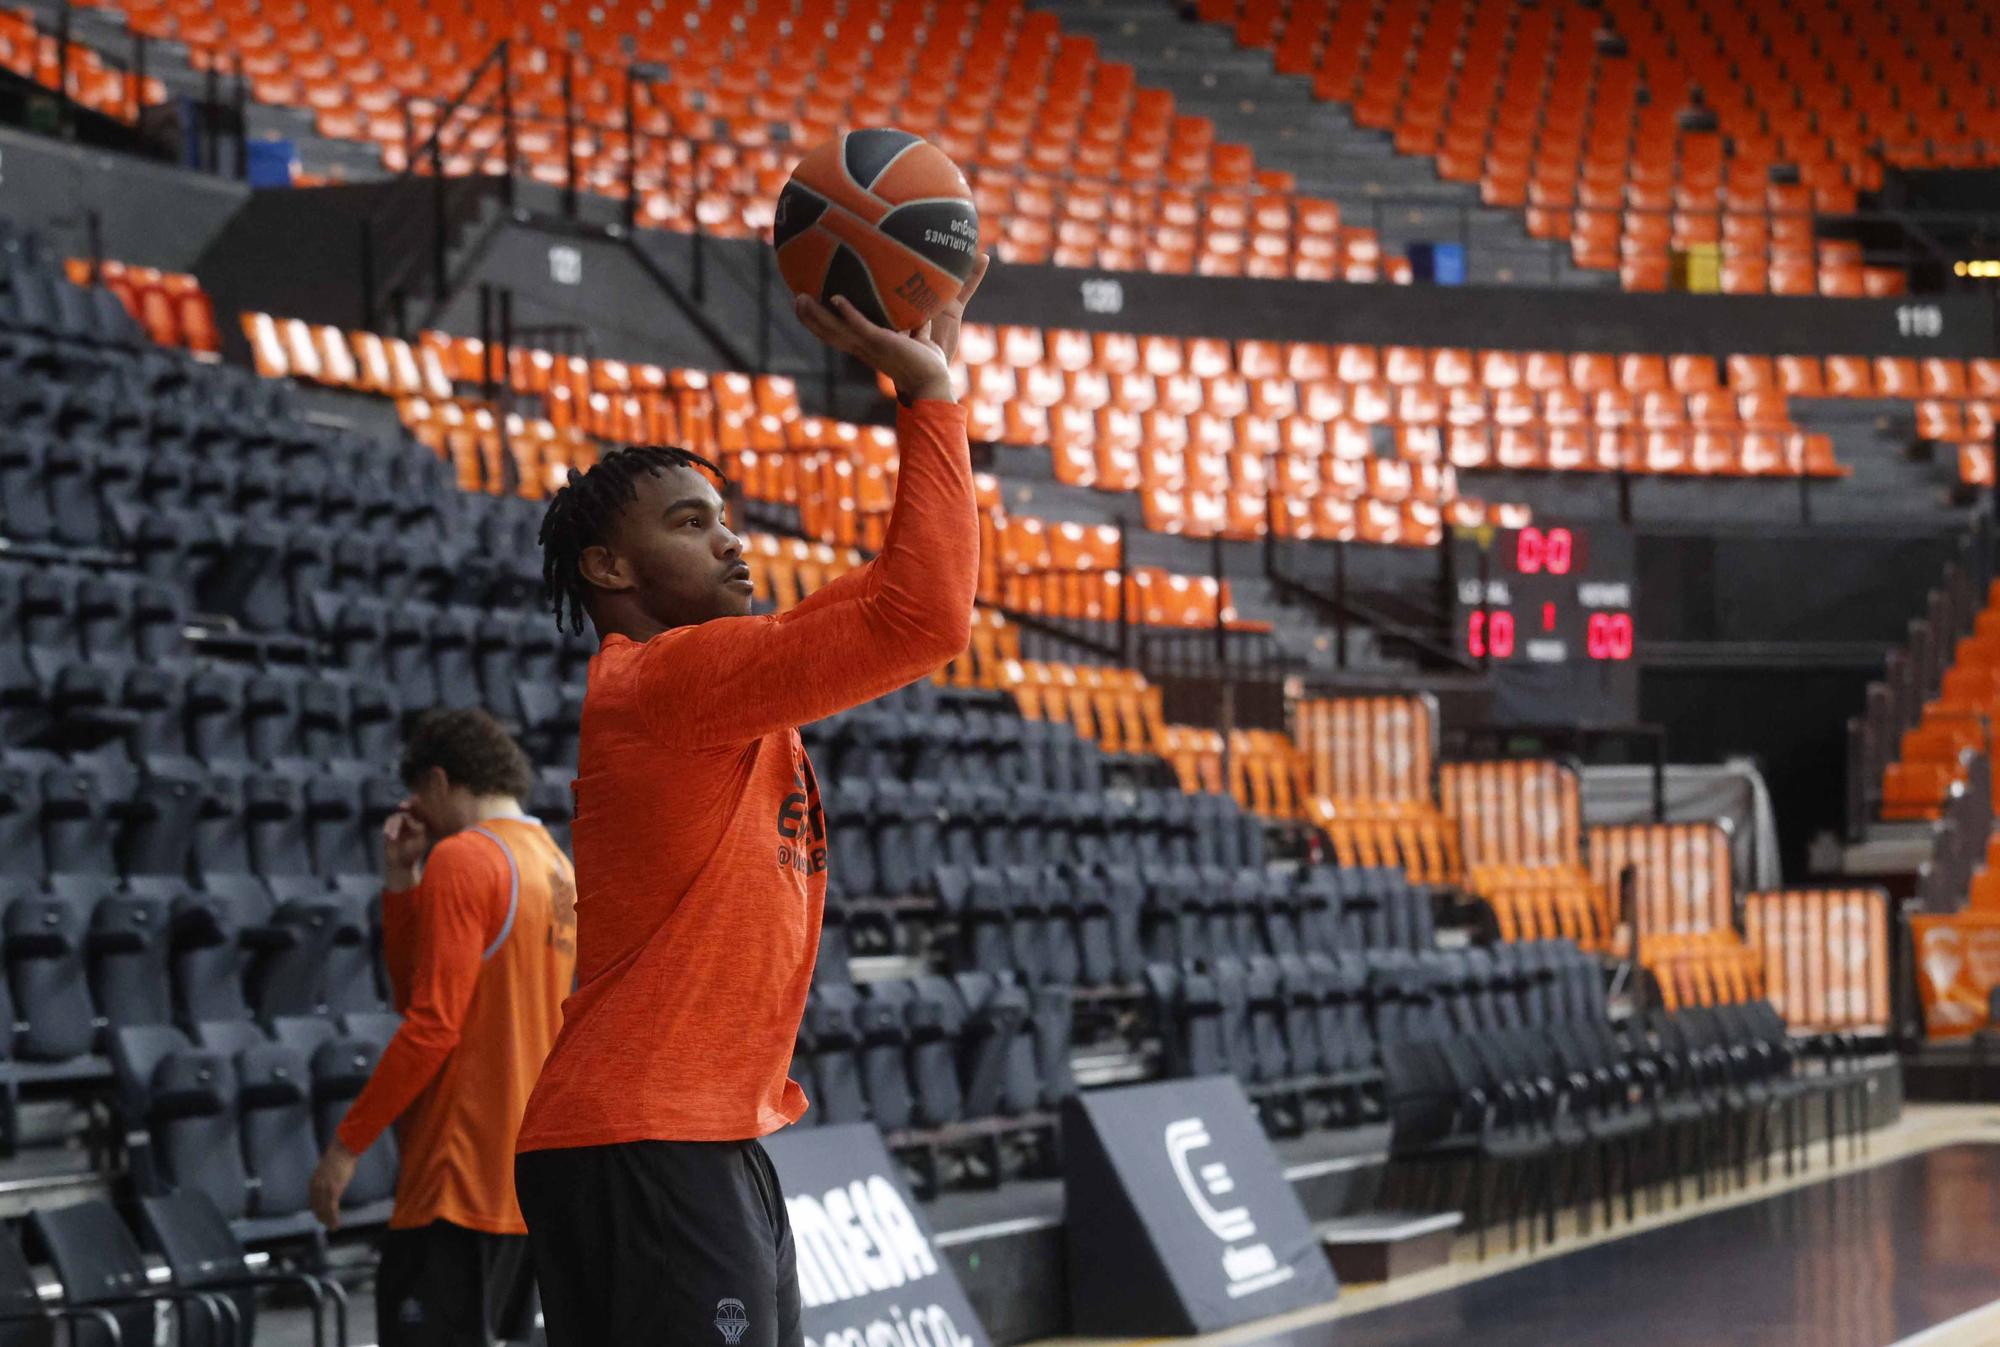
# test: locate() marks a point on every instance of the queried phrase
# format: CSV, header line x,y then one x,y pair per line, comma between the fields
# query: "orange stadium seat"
x,y
1797,85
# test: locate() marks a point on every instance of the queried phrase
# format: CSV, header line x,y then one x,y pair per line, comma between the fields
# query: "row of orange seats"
x,y
1327,518
1369,756
498,455
1021,376
1195,754
1073,571
1946,378
1122,713
1366,765
612,399
1118,448
786,570
1127,452
1701,453
1520,100
1041,105
1114,353
1130,426
94,83
1046,387
1935,755
1132,212
170,305
1117,709
1704,968
362,361
1958,423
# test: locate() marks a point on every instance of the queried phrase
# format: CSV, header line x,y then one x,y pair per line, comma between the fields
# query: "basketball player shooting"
x,y
653,1213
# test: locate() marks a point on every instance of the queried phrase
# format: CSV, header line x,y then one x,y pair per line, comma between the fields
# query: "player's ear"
x,y
604,568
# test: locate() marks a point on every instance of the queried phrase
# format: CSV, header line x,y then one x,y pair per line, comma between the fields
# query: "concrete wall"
x,y
151,214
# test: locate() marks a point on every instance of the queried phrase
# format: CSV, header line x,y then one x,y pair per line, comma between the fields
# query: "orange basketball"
x,y
882,217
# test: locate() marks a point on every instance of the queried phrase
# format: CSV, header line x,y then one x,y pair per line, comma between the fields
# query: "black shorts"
x,y
442,1285
652,1243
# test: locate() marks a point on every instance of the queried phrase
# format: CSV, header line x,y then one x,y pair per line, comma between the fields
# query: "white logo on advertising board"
x,y
1249,1267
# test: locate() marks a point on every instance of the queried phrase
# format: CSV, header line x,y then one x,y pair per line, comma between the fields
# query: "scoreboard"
x,y
1550,595
1549,612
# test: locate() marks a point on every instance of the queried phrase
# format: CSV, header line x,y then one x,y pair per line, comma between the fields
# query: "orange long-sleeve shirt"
x,y
480,956
700,845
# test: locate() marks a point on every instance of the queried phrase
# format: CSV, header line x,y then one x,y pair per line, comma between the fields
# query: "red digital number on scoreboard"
x,y
1608,636
1489,634
1544,551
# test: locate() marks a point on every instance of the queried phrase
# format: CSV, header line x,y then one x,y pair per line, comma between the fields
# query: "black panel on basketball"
x,y
926,228
799,209
846,275
869,152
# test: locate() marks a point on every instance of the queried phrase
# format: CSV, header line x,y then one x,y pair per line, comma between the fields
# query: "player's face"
x,y
685,563
429,803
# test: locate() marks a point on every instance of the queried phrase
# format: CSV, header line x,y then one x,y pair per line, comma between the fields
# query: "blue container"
x,y
1438,263
271,163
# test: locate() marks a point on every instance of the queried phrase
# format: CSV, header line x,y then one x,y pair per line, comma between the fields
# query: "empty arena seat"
x,y
274,1093
341,1058
184,1102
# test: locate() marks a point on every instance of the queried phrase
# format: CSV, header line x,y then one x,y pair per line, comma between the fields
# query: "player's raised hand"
x,y
943,328
405,843
918,363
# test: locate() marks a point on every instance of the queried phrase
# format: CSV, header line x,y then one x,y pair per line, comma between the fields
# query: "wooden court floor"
x,y
1898,1248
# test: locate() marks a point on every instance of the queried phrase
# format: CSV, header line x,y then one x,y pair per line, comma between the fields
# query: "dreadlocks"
x,y
581,514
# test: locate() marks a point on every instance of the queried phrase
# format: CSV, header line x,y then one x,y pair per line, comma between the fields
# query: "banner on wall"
x,y
1958,965
868,1272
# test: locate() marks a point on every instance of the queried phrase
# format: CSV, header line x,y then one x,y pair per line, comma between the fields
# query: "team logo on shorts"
x,y
731,1320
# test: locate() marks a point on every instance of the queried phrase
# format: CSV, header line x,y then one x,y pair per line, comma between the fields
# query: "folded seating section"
x,y
1683,899
1520,835
1826,957
1369,763
1950,402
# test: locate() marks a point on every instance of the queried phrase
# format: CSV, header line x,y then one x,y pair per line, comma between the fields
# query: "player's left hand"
x,y
918,363
329,1182
943,328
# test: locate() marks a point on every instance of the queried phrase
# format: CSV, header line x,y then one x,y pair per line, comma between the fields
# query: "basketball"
x,y
882,217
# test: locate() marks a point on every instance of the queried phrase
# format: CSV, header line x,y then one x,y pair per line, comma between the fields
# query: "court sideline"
x,y
1929,1282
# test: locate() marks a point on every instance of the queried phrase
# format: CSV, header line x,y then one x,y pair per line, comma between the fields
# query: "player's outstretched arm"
x,y
943,332
908,613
